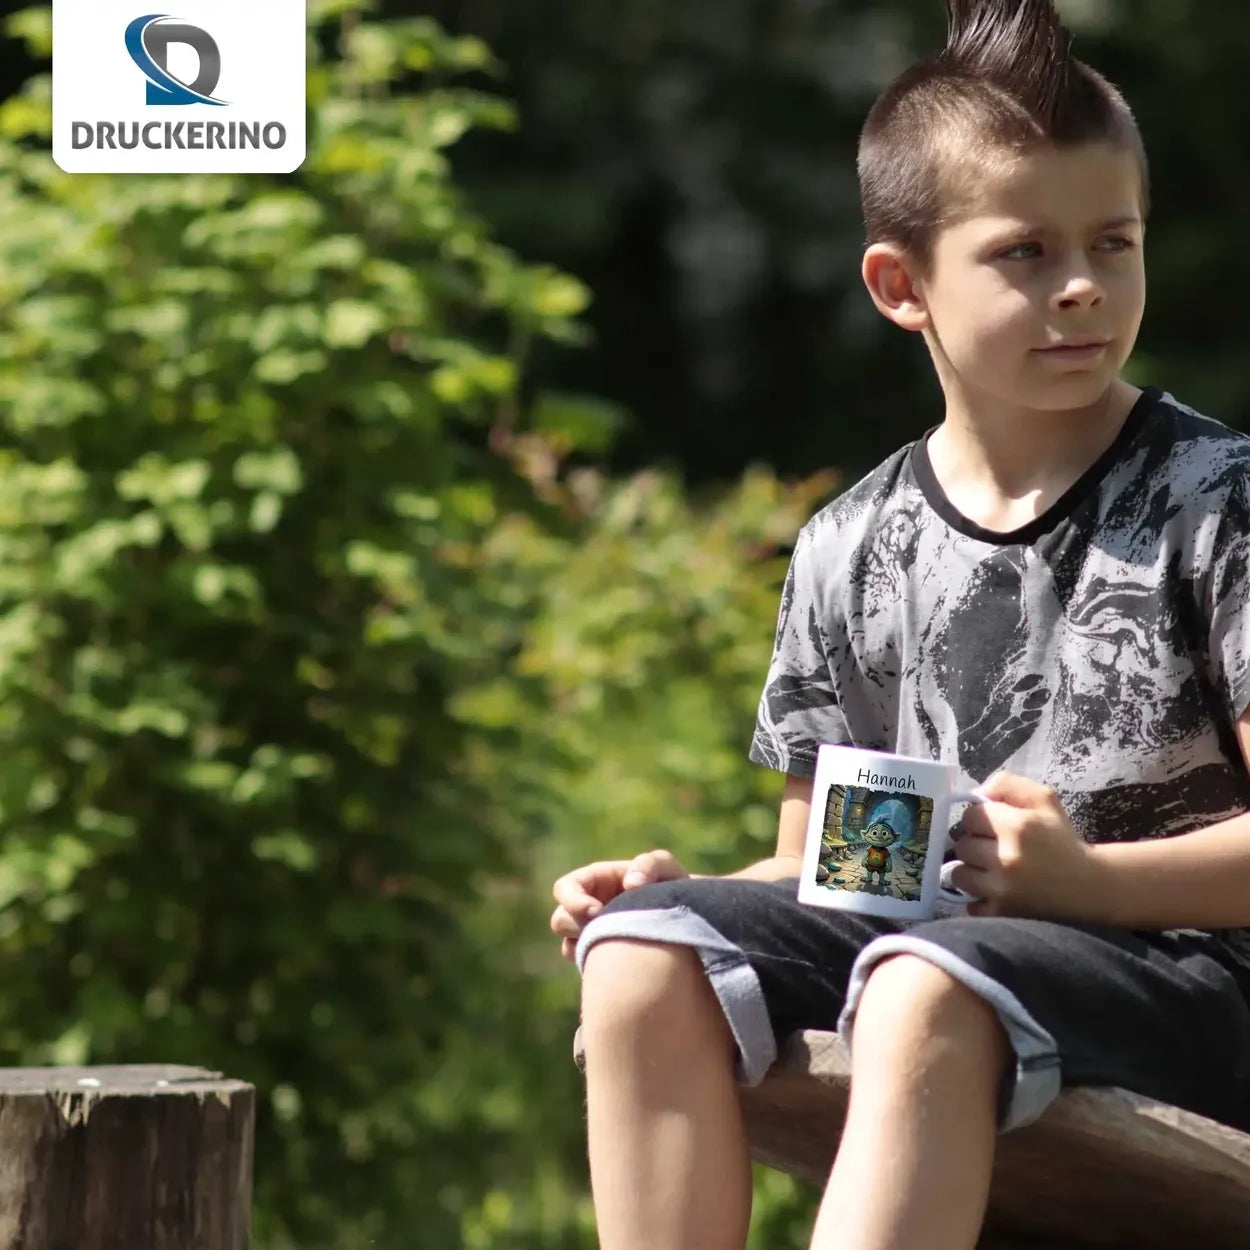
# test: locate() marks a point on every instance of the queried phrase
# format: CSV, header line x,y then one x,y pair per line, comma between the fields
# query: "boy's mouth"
x,y
1076,345
1075,350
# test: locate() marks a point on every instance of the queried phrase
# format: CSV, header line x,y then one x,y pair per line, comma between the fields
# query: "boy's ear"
x,y
888,275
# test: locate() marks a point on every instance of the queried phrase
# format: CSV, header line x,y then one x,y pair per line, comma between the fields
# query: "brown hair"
x,y
1005,81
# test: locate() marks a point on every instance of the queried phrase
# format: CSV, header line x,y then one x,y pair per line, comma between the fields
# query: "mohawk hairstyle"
x,y
1005,81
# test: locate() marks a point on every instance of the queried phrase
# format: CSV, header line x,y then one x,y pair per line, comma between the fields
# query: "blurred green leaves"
x,y
323,649
242,511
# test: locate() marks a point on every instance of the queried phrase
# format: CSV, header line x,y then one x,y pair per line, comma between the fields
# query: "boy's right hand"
x,y
581,894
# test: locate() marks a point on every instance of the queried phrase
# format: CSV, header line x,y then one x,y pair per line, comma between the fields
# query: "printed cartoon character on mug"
x,y
880,836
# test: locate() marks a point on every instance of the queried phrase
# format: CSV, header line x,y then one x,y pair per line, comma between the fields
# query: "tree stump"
x,y
139,1157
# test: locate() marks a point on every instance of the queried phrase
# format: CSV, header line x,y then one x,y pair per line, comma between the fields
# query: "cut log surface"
x,y
1100,1168
142,1156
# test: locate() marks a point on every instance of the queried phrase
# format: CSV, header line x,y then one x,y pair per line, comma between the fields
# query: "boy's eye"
x,y
1031,251
1022,251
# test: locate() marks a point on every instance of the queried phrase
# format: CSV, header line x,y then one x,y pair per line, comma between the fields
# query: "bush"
x,y
246,479
318,661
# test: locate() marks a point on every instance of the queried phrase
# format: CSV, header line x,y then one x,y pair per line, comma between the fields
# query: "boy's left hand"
x,y
1021,856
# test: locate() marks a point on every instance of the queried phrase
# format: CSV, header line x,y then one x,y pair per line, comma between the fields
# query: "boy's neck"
x,y
1002,469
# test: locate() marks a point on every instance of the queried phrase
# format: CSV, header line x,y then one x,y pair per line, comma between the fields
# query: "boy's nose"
x,y
1078,286
1080,292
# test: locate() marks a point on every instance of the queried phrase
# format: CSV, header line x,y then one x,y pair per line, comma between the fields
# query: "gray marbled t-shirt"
x,y
1103,648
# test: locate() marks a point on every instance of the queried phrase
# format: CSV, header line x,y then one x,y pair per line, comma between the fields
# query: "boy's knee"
x,y
629,978
909,995
631,984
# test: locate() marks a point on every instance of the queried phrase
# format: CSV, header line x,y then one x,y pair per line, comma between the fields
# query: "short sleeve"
x,y
799,709
1229,642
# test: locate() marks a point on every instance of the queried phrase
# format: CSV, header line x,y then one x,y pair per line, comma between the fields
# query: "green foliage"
x,y
634,690
318,661
245,488
652,641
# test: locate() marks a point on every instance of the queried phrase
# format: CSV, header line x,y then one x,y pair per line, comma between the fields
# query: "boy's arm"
x,y
1197,880
581,894
796,802
1023,858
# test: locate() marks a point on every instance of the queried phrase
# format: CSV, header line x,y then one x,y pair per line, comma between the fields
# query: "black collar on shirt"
x,y
926,479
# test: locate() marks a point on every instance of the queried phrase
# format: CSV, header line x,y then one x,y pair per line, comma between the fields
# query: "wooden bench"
x,y
1102,1168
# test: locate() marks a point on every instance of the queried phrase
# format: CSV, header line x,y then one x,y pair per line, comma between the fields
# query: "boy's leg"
x,y
1159,1014
1156,1013
687,987
913,1166
669,1168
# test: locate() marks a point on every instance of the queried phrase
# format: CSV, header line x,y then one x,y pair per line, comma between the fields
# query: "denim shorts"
x,y
1162,1014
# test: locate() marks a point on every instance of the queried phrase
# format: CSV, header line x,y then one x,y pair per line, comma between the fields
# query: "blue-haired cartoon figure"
x,y
889,821
880,836
874,841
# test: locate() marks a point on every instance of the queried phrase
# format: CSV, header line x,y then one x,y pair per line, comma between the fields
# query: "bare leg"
x,y
669,1168
913,1167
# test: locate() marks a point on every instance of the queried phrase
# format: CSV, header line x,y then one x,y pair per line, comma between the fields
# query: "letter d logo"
x,y
218,88
148,39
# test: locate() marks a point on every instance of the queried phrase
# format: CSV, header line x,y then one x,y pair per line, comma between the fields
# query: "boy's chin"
x,y
1062,394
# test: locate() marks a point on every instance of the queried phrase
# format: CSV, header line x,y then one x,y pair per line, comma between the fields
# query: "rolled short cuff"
x,y
1037,1079
733,980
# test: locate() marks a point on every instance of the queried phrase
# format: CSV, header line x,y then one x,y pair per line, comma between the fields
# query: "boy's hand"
x,y
1021,856
581,894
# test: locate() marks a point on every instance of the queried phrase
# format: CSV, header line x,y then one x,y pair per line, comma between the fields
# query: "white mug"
x,y
878,832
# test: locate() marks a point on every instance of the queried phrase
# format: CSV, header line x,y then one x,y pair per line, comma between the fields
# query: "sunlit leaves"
x,y
241,582
318,658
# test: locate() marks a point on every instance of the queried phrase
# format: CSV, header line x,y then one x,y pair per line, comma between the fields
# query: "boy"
x,y
1049,590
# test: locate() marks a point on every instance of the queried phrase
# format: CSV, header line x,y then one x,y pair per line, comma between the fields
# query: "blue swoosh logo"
x,y
162,88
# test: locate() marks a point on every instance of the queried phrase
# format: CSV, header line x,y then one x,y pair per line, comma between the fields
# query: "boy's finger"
x,y
641,870
983,907
651,866
569,893
1016,790
977,852
565,923
580,908
975,822
975,882
592,885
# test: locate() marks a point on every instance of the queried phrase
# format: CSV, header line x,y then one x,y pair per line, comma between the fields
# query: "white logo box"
x,y
204,86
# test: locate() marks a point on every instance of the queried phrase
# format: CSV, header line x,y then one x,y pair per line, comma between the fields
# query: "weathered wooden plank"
x,y
151,1156
1101,1168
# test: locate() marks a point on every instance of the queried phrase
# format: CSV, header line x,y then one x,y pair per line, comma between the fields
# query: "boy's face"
x,y
1047,256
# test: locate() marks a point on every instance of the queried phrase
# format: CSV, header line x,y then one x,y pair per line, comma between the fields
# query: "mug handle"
x,y
945,889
